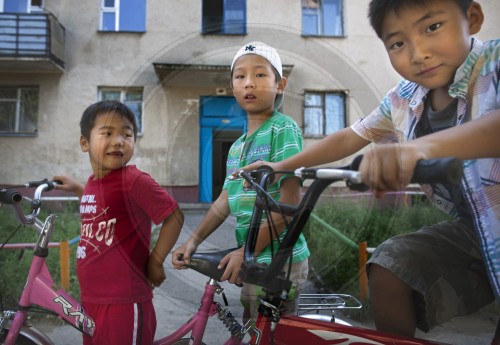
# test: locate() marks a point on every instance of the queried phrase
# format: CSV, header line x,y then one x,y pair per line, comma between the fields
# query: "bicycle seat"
x,y
207,263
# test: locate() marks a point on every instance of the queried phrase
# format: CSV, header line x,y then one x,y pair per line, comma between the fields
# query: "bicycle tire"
x,y
184,341
21,339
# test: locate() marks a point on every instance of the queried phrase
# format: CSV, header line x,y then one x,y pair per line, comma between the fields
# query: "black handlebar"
x,y
440,170
271,277
50,184
10,196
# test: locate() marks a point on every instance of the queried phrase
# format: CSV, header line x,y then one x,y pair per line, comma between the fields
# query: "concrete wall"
x,y
169,148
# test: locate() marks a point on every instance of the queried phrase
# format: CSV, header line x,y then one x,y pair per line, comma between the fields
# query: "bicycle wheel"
x,y
21,339
184,341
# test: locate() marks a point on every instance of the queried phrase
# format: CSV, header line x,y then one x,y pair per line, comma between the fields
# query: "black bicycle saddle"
x,y
206,263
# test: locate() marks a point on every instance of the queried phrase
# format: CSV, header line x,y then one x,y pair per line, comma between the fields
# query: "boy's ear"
x,y
282,85
475,17
84,144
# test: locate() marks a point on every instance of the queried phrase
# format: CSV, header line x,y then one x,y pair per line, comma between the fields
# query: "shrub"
x,y
334,263
15,263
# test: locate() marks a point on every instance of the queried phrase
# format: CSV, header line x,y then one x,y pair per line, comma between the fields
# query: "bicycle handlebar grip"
x,y
10,196
261,171
438,170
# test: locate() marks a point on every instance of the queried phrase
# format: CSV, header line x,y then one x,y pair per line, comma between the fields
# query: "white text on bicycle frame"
x,y
80,317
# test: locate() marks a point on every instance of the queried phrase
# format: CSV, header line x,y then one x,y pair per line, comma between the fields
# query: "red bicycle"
x,y
274,328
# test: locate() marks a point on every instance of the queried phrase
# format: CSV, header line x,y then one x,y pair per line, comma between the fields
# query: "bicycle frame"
x,y
39,289
198,322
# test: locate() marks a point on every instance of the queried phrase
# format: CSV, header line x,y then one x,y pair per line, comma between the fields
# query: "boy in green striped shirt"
x,y
258,86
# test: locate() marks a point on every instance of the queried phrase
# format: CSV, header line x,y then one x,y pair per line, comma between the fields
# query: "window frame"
x,y
321,19
105,9
123,93
323,106
225,22
35,9
18,111
119,9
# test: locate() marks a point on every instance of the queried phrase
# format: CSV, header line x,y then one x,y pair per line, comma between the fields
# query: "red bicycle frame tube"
x,y
293,329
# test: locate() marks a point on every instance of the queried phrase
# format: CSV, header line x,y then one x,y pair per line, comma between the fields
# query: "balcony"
x,y
31,43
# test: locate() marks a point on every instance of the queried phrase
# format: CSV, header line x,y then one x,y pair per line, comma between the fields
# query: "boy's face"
x,y
111,143
254,84
426,44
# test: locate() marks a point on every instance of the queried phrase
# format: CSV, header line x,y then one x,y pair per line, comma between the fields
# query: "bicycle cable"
x,y
12,235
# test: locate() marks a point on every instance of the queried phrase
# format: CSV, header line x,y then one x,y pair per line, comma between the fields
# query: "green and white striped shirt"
x,y
276,139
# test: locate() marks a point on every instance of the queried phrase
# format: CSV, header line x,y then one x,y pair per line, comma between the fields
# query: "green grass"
x,y
333,263
15,263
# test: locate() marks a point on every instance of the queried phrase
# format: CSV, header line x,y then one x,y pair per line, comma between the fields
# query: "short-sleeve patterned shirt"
x,y
276,139
477,88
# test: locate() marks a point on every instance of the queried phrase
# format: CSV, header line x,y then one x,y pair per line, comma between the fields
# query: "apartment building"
x,y
169,61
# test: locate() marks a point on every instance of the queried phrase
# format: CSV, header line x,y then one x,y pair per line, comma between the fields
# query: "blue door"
x,y
221,122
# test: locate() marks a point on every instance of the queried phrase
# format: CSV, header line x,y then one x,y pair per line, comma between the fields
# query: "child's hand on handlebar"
x,y
232,262
389,166
69,184
182,255
256,165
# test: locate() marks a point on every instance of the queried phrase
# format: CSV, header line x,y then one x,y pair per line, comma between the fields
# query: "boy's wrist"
x,y
157,258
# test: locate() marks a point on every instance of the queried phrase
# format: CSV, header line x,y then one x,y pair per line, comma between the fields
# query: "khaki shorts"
x,y
298,276
443,264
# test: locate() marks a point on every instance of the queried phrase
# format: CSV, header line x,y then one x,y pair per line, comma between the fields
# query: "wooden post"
x,y
363,278
64,264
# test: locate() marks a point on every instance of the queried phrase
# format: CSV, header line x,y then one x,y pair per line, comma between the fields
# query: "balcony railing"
x,y
31,37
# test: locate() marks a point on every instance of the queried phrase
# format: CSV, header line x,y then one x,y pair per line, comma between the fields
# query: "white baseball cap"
x,y
261,49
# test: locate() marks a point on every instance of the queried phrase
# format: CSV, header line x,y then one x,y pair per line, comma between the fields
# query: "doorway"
x,y
222,121
221,144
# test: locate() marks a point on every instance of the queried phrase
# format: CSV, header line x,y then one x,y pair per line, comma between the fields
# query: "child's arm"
x,y
215,216
390,166
290,193
69,185
331,148
169,233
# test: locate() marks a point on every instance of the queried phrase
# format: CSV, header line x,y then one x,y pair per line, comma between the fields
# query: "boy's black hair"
x,y
378,9
108,106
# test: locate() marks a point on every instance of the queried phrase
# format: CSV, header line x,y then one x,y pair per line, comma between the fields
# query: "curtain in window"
x,y
334,109
132,15
18,110
234,17
224,16
313,115
322,17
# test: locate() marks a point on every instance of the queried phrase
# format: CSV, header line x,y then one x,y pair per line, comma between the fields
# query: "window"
x,y
224,17
123,15
18,110
324,113
21,6
36,6
131,97
322,18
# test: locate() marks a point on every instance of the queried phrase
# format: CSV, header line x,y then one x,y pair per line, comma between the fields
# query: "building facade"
x,y
169,61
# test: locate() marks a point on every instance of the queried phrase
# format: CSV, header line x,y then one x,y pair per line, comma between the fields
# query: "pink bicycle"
x,y
39,294
38,291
